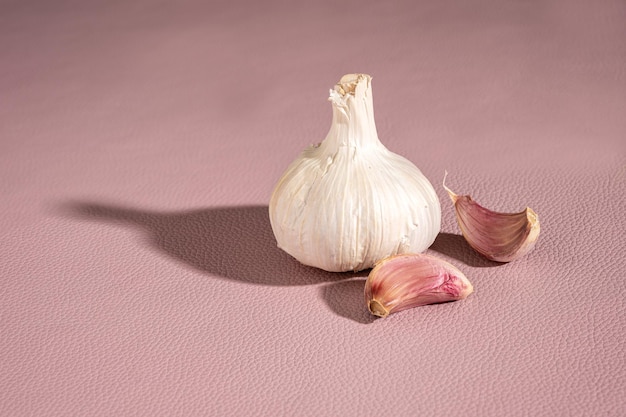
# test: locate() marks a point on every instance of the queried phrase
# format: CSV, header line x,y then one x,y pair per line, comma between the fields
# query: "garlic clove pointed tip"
x,y
453,196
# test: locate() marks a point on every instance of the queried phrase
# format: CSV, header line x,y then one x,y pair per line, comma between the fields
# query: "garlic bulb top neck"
x,y
353,122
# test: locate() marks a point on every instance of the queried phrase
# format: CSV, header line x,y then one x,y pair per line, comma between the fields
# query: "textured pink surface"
x,y
140,142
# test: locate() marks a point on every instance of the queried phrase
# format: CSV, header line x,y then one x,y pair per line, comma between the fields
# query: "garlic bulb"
x,y
349,202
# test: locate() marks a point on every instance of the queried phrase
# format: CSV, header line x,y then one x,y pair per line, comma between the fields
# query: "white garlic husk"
x,y
349,202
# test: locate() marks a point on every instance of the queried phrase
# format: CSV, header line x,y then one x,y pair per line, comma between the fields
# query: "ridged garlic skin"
x,y
412,280
501,237
349,202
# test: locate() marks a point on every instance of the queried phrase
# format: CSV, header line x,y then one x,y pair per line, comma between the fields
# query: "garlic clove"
x,y
410,280
501,237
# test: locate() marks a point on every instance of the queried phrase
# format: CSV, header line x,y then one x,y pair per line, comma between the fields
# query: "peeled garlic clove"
x,y
411,280
501,237
349,202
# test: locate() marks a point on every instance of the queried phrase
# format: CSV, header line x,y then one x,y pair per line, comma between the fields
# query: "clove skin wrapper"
x,y
500,237
411,280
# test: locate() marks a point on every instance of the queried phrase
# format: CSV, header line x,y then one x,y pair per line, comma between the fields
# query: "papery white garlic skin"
x,y
411,280
501,237
349,202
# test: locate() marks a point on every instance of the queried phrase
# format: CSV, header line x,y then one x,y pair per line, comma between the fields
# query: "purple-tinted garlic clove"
x,y
501,237
410,280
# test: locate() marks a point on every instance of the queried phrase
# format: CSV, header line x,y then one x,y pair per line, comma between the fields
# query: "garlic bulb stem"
x,y
353,122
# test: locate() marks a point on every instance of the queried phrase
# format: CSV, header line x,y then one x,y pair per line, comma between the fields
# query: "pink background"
x,y
140,142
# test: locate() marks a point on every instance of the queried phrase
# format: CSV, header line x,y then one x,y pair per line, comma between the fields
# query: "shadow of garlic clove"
x,y
411,280
501,237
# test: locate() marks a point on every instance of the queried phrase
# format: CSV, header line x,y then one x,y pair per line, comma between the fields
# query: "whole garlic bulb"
x,y
349,202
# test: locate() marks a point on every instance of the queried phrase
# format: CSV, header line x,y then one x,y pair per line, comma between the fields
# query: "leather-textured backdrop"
x,y
139,145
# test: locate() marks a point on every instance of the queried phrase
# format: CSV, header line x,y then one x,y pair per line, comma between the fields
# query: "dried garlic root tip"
x,y
501,237
410,280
